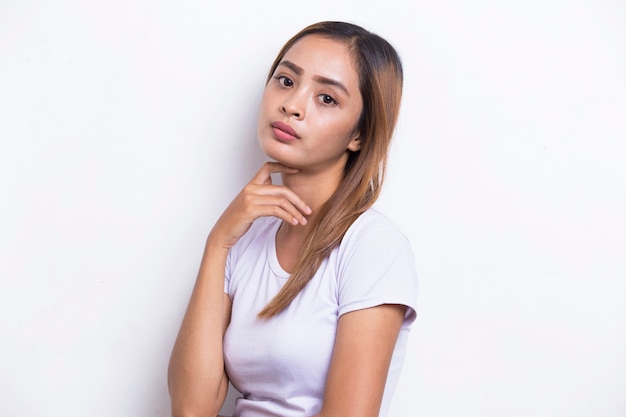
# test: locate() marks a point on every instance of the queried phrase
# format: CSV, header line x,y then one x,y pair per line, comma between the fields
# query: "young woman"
x,y
305,292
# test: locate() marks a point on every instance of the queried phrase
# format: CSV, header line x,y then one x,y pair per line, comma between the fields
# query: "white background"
x,y
127,126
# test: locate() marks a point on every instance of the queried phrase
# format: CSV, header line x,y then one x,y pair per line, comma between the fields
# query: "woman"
x,y
305,293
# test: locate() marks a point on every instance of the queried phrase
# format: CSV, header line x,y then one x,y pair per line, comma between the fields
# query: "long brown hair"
x,y
380,81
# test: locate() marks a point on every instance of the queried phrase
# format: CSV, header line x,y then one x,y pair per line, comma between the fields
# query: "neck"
x,y
314,189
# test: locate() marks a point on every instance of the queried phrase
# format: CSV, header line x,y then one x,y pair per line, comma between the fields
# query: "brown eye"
x,y
326,99
284,81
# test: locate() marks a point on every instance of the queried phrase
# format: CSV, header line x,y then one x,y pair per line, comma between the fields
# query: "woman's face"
x,y
311,106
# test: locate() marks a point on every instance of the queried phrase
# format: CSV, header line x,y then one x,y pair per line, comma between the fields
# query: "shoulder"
x,y
373,234
258,231
373,228
254,242
375,265
374,244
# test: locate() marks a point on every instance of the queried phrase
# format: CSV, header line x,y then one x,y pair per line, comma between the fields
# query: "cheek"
x,y
343,129
262,114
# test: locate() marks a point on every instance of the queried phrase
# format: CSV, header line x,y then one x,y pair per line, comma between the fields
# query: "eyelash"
x,y
281,79
333,101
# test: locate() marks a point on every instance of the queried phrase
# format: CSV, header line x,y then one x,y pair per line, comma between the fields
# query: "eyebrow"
x,y
318,78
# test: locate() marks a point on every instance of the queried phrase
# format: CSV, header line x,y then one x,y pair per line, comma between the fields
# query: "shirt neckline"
x,y
273,256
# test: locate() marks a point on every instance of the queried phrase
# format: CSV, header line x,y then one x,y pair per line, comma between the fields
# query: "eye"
x,y
326,99
284,81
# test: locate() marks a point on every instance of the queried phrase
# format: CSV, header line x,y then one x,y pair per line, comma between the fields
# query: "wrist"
x,y
215,245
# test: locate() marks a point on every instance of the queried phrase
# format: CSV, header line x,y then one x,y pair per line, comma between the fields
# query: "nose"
x,y
293,105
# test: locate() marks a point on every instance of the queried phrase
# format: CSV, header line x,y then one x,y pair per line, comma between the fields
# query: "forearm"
x,y
197,381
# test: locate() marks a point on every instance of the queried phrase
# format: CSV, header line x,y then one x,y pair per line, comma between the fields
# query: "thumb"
x,y
263,176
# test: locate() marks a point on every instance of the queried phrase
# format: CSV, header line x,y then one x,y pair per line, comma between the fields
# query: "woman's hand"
x,y
257,199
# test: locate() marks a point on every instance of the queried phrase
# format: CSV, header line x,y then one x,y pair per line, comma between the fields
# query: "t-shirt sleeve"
x,y
378,267
227,273
231,260
254,238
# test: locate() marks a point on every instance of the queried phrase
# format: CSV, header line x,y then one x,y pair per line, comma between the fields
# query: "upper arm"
x,y
227,311
223,385
361,356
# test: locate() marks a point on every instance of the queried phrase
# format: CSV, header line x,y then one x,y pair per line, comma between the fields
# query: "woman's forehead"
x,y
322,56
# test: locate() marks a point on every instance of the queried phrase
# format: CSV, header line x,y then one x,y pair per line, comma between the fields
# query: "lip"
x,y
284,131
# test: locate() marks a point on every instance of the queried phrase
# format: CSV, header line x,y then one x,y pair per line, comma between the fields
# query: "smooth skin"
x,y
314,91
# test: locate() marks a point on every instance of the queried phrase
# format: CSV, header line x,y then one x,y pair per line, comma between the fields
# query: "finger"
x,y
260,205
283,213
284,205
283,192
263,175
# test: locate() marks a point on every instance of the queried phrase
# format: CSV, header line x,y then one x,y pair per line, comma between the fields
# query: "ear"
x,y
355,143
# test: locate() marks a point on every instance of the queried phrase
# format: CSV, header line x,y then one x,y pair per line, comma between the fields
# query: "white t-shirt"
x,y
280,365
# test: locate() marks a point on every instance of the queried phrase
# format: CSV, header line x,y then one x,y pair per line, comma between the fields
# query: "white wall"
x,y
127,126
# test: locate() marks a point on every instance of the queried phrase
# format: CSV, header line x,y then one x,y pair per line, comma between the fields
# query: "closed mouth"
x,y
285,128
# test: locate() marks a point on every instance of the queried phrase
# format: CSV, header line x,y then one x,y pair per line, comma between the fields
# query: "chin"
x,y
285,160
278,152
